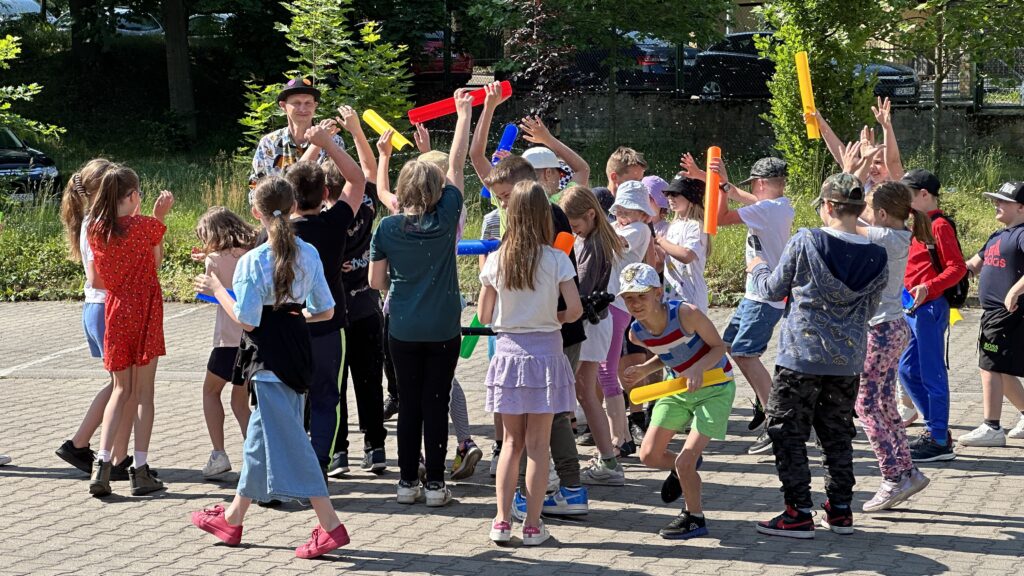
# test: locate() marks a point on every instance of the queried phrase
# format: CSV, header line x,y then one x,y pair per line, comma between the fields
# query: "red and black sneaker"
x,y
838,520
790,524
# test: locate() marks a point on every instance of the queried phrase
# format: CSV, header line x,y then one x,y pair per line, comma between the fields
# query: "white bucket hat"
x,y
633,195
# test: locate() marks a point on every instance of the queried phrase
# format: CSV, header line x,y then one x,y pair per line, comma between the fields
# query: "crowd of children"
x,y
860,299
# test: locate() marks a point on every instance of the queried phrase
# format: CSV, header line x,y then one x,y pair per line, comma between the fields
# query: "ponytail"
x,y
76,200
923,228
273,198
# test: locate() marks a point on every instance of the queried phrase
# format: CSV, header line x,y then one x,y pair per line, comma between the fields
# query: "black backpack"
x,y
957,295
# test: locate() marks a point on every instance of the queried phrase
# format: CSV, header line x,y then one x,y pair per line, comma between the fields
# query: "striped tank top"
x,y
677,349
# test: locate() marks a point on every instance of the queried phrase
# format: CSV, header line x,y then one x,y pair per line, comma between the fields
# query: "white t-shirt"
x,y
92,295
637,236
522,311
768,228
686,281
897,246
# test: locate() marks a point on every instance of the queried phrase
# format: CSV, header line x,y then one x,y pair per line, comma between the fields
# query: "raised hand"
x,y
493,95
690,167
422,138
883,112
534,130
321,134
463,103
163,205
348,118
501,154
384,143
718,165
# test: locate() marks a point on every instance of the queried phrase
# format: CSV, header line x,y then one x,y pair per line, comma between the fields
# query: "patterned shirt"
x,y
676,348
277,151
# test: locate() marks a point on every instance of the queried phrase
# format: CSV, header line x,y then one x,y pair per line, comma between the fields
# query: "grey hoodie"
x,y
833,286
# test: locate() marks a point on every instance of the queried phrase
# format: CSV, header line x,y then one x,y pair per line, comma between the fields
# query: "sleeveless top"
x,y
677,348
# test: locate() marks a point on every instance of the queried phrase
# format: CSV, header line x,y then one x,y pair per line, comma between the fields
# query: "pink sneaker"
x,y
212,520
322,542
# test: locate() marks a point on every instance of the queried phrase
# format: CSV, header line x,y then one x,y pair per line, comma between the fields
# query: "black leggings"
x,y
364,358
389,363
425,371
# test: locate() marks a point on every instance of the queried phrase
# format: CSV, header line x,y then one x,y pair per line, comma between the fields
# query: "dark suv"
x,y
25,173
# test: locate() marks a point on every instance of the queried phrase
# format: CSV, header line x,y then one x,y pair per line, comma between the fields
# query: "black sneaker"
x,y
838,520
374,461
762,444
637,433
339,465
81,458
390,407
627,450
119,473
585,438
922,438
671,490
272,503
790,524
684,527
758,417
930,451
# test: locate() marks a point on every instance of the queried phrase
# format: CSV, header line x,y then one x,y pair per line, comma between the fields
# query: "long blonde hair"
x,y
273,198
530,229
577,201
419,187
77,200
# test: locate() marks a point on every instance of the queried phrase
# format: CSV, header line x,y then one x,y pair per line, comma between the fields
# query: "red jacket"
x,y
920,269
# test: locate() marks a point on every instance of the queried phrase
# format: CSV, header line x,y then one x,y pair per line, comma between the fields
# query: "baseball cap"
x,y
540,157
769,167
604,197
638,278
841,188
920,179
632,195
656,185
1010,192
298,85
689,188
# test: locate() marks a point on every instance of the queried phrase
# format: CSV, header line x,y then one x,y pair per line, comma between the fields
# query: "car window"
x,y
8,140
136,22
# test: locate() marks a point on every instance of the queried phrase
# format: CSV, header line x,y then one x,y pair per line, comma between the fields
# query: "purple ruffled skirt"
x,y
530,374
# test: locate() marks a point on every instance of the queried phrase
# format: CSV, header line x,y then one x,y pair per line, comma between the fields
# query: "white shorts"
x,y
599,339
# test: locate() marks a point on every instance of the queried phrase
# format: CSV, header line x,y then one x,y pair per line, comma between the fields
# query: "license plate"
x,y
907,91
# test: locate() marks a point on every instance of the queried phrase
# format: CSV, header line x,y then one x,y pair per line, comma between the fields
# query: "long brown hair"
x,y
221,229
419,187
117,183
577,201
273,199
896,199
530,229
78,195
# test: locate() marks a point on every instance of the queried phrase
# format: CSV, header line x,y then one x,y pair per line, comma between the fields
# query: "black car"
x,y
733,68
25,173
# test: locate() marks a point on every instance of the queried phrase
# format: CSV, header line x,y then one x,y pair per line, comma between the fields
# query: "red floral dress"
x,y
134,311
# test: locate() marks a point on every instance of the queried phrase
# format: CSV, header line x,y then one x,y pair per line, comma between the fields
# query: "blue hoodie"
x,y
833,287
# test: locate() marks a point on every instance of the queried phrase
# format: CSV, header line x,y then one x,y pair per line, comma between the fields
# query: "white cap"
x,y
638,278
633,195
540,157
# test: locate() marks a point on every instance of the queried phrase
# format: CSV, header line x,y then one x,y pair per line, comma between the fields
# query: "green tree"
x,y
9,50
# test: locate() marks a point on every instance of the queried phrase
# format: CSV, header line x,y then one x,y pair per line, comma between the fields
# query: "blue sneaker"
x,y
567,502
519,506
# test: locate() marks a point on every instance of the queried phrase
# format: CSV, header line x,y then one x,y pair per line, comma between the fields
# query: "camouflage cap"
x,y
841,188
769,167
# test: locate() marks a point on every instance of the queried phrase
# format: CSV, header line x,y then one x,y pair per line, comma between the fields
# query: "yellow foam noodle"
x,y
642,394
380,126
803,74
954,316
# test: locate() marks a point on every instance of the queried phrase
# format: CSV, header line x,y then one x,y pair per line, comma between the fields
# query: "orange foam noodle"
x,y
642,394
564,242
803,75
712,193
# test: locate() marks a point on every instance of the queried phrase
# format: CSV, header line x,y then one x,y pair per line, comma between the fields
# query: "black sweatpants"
x,y
389,363
425,371
364,358
797,402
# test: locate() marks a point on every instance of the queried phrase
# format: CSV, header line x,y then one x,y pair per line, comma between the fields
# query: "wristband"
x,y
725,187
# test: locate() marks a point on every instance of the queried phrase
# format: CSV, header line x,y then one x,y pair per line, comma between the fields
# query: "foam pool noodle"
x,y
564,242
954,316
207,298
803,75
712,193
674,386
477,247
469,342
508,138
380,126
447,106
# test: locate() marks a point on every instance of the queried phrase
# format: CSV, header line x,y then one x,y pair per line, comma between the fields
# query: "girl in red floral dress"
x,y
127,248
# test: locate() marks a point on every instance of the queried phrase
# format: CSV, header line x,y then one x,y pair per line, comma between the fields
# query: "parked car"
x,y
25,173
645,63
11,10
129,23
429,65
205,26
733,68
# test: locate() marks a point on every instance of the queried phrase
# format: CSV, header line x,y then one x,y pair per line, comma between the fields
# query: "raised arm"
x,y
355,181
478,146
538,133
383,181
893,162
460,143
349,120
832,142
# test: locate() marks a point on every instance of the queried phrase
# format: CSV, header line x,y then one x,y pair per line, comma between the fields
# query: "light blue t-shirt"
x,y
253,282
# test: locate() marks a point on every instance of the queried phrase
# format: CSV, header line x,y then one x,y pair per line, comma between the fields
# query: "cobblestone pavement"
x,y
969,521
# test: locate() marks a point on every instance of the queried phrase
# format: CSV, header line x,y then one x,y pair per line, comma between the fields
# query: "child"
x,y
685,341
529,379
412,255
78,195
833,278
656,185
685,245
280,287
1000,269
931,270
768,216
623,165
127,248
631,210
889,208
225,238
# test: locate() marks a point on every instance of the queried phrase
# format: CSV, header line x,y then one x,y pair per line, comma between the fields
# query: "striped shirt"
x,y
492,226
676,348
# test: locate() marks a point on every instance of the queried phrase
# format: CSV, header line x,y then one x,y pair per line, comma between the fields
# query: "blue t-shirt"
x,y
1002,266
253,282
677,348
420,250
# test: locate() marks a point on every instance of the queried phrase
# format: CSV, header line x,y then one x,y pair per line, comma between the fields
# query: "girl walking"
x,y
281,287
529,379
685,245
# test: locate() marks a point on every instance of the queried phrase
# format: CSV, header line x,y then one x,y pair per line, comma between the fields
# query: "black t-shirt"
x,y
328,233
572,332
1002,266
362,301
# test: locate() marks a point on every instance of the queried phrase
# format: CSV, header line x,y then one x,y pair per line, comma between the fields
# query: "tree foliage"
x,y
9,50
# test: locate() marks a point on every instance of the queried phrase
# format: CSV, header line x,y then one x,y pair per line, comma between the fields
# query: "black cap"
x,y
604,197
298,86
689,188
769,167
841,188
1010,192
920,179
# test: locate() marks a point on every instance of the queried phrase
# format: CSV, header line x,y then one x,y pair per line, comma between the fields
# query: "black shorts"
x,y
1000,342
222,362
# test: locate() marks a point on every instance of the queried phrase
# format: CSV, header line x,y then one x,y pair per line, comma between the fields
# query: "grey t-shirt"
x,y
897,245
594,270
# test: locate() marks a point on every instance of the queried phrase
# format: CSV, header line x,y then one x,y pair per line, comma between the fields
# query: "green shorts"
x,y
708,408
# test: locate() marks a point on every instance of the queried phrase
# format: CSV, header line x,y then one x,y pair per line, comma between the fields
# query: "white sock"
x,y
103,455
140,459
215,453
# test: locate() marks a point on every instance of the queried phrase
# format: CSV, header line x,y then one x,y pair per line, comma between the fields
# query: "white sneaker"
x,y
983,436
438,494
217,465
501,531
553,482
410,494
598,474
908,414
495,454
4,459
1018,431
535,536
